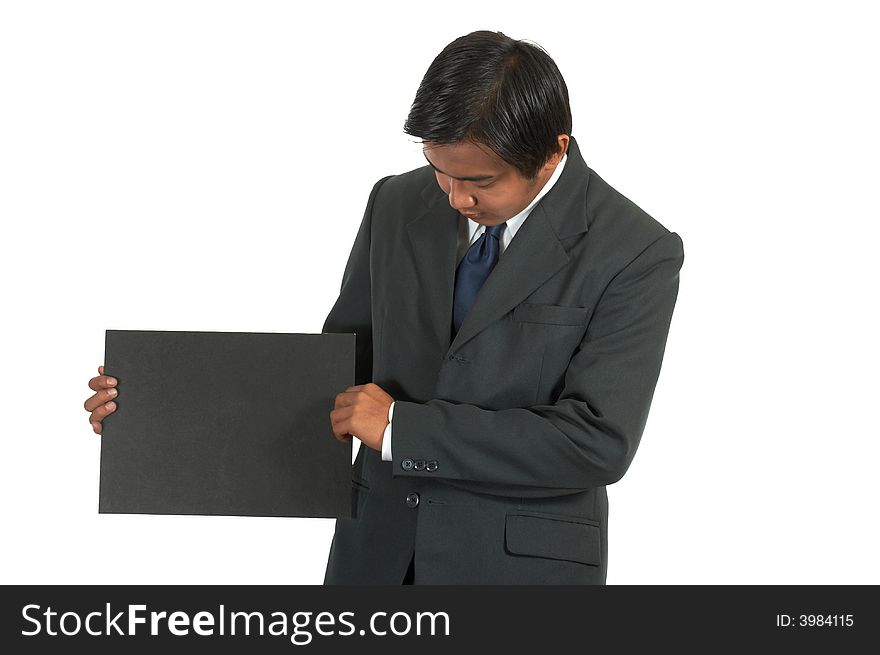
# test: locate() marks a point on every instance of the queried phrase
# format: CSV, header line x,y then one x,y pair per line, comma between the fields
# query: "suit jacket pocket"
x,y
559,537
550,314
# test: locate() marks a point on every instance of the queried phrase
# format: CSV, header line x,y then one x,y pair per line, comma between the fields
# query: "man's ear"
x,y
562,148
562,143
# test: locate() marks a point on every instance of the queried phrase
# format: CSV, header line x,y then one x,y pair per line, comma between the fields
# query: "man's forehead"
x,y
468,162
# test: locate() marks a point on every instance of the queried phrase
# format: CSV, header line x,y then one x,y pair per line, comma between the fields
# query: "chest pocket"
x,y
550,314
553,333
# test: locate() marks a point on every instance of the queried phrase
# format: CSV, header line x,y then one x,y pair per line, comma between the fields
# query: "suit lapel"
x,y
533,256
434,238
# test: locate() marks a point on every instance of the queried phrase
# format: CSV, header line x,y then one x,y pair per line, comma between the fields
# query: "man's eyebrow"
x,y
476,178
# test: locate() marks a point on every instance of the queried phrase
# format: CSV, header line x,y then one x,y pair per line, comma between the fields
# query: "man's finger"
x,y
371,390
340,414
345,399
101,412
101,382
103,396
342,434
341,424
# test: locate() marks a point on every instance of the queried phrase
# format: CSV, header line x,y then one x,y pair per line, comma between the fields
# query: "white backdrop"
x,y
204,166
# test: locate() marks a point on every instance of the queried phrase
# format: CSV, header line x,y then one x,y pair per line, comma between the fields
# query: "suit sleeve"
x,y
352,313
589,436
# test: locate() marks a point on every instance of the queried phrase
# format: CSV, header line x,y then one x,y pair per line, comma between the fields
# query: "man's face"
x,y
482,186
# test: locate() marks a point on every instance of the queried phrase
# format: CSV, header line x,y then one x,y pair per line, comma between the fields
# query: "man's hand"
x,y
361,411
101,403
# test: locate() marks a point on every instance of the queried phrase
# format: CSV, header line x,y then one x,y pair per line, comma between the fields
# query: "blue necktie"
x,y
473,271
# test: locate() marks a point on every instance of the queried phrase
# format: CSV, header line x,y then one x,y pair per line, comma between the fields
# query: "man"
x,y
511,312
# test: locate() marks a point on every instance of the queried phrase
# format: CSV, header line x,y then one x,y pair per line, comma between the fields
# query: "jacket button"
x,y
412,500
406,464
432,465
419,465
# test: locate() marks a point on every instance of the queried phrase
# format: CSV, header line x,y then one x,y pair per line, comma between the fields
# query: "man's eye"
x,y
484,186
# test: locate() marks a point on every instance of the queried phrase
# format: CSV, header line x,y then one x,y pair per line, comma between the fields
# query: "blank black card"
x,y
226,423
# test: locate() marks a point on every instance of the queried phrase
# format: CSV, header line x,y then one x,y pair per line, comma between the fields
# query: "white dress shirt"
x,y
469,231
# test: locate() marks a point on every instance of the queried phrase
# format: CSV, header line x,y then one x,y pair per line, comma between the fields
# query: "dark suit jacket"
x,y
504,438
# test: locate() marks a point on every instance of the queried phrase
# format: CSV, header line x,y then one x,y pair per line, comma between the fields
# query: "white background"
x,y
192,165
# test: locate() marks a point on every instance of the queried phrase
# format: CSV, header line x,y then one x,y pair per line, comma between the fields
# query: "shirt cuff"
x,y
386,439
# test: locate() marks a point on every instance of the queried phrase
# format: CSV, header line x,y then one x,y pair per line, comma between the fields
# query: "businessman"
x,y
511,311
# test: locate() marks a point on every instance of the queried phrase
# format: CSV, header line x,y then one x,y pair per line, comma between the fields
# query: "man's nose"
x,y
459,198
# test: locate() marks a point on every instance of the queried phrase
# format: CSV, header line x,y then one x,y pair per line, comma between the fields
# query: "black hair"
x,y
487,88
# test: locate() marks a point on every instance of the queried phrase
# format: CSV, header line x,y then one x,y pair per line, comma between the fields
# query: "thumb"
x,y
100,370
